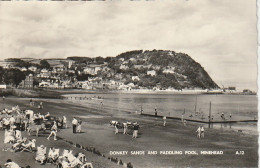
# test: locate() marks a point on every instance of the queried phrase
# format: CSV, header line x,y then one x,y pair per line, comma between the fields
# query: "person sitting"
x,y
30,146
82,157
18,135
87,165
53,155
65,163
50,155
10,164
41,154
65,153
74,161
1,125
9,137
17,146
56,154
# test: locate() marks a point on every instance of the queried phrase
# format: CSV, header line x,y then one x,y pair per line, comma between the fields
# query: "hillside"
x,y
156,68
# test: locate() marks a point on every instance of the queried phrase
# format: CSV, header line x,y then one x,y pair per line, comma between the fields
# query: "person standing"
x,y
31,102
79,126
74,125
65,121
18,122
202,132
116,128
185,123
41,105
12,121
164,121
198,132
3,98
136,128
155,111
125,128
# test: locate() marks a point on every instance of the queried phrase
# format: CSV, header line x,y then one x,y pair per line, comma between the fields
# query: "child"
x,y
79,126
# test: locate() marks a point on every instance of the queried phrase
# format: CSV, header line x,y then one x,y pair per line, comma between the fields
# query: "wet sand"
x,y
153,137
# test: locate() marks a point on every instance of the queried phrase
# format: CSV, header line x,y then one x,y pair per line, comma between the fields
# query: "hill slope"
x,y
156,68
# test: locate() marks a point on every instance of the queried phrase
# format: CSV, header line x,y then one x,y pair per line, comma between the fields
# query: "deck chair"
x,y
65,153
56,153
87,165
82,157
17,146
41,155
54,157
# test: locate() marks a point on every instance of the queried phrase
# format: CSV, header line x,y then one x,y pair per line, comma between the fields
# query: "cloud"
x,y
219,34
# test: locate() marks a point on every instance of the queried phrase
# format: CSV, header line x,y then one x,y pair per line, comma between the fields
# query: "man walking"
x,y
53,131
74,125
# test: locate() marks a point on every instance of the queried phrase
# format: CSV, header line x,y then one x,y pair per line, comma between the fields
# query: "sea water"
x,y
193,106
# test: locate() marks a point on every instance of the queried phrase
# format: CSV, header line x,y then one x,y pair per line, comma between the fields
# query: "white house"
x,y
23,69
44,73
71,71
2,86
171,71
58,68
123,67
152,72
135,78
44,84
93,70
89,70
32,68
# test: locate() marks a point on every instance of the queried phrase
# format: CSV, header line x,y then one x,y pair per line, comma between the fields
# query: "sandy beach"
x,y
175,137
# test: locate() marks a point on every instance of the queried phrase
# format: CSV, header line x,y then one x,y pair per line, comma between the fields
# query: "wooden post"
x,y
209,113
195,105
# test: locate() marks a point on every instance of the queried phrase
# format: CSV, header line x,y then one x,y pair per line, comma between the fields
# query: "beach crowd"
x,y
15,120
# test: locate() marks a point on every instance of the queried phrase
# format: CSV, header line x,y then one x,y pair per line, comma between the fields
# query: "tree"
x,y
99,60
45,64
13,76
2,71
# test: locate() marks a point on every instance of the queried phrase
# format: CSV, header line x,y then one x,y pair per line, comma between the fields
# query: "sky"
x,y
221,35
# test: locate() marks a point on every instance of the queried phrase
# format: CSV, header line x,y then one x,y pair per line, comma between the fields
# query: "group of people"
x,y
126,126
76,125
18,142
200,132
13,121
18,119
66,159
32,103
